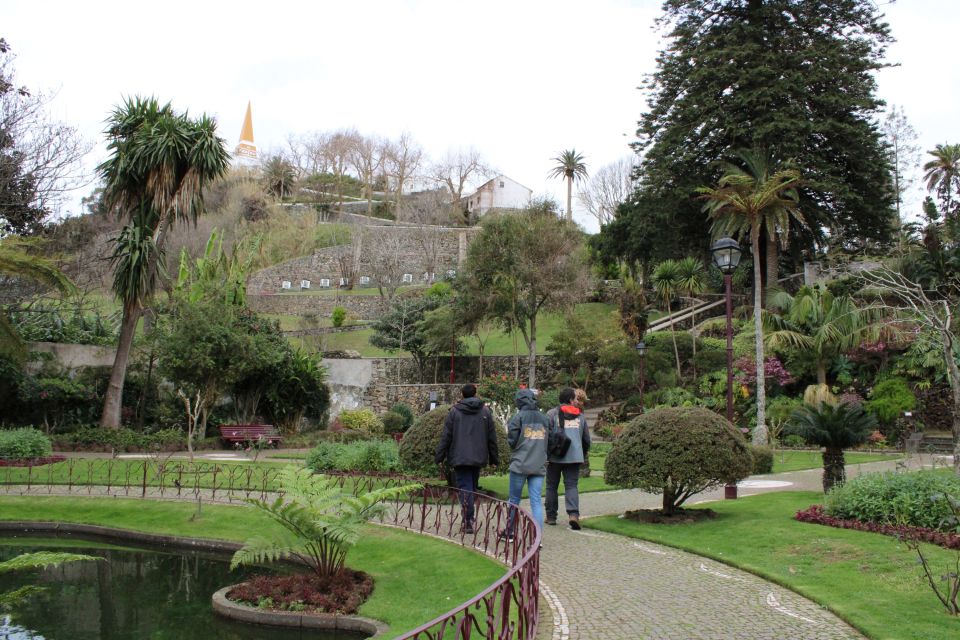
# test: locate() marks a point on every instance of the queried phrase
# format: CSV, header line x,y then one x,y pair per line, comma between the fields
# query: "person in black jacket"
x,y
468,443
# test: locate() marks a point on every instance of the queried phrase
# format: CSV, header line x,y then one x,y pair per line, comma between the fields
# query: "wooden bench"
x,y
247,433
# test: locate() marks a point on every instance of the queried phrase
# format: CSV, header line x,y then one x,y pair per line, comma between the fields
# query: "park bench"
x,y
231,434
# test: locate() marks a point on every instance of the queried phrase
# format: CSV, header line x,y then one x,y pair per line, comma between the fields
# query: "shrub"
x,y
393,422
678,452
762,459
369,456
24,444
406,412
96,438
673,397
363,420
890,398
793,441
338,316
894,498
420,442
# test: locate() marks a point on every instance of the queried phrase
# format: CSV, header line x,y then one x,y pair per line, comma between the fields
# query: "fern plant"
x,y
320,521
37,560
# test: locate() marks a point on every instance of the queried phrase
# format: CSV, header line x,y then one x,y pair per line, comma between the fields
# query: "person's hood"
x,y
570,410
470,405
526,399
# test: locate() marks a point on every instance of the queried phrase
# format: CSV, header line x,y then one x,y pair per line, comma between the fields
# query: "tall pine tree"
x,y
791,77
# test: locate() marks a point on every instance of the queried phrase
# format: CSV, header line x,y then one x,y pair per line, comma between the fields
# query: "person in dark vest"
x,y
569,419
468,443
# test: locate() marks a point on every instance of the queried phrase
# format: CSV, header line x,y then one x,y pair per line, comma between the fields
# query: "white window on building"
x,y
364,280
286,284
451,273
325,283
501,184
304,284
408,278
344,281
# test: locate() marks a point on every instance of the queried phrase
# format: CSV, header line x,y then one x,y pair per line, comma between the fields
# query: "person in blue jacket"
x,y
527,436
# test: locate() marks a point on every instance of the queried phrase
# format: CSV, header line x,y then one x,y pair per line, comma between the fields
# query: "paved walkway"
x,y
610,587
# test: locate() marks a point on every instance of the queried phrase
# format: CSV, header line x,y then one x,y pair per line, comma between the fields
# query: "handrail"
x,y
506,610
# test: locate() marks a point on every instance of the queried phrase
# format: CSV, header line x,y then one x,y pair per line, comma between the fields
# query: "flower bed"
x,y
816,515
342,593
32,462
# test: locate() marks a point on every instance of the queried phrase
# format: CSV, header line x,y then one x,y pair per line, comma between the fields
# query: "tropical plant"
x,y
820,325
835,428
320,521
691,282
279,177
943,173
160,161
747,200
666,282
571,166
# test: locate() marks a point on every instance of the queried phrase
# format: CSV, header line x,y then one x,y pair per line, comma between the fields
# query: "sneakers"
x,y
575,523
468,528
551,521
505,535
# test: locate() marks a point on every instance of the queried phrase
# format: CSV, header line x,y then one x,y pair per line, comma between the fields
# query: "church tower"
x,y
246,151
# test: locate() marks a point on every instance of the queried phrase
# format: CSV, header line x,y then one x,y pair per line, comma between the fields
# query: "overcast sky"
x,y
520,81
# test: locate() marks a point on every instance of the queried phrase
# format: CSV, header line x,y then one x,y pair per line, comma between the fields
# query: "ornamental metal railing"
x,y
506,610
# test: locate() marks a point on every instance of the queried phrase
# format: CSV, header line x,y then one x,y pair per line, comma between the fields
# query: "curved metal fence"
x,y
506,610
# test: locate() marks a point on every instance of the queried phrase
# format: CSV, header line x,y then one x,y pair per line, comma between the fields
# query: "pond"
x,y
133,594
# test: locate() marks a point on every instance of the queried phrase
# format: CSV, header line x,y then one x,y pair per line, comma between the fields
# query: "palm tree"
x,y
691,282
279,177
943,172
159,164
17,260
834,428
745,201
820,324
666,282
570,165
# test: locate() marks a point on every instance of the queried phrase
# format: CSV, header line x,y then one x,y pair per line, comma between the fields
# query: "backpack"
x,y
558,442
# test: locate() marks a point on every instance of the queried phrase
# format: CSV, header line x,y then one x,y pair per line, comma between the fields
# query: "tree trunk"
x,y
760,432
569,198
773,265
532,357
953,375
668,499
834,468
673,336
821,372
113,398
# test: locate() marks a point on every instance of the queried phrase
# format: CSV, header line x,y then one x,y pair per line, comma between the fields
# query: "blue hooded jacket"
x,y
527,435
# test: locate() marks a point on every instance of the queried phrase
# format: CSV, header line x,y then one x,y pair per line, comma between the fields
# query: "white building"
x,y
498,193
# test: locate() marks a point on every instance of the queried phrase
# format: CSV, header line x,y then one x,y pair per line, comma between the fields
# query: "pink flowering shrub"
x,y
773,369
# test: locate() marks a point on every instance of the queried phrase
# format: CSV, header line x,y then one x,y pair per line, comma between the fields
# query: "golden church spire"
x,y
247,148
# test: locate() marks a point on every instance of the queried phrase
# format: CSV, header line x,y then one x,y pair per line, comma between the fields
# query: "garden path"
x,y
608,587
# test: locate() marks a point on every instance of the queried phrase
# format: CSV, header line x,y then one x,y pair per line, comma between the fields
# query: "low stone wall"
x,y
292,304
73,356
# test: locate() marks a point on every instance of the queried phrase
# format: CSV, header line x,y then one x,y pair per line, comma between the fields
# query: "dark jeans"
x,y
571,492
467,479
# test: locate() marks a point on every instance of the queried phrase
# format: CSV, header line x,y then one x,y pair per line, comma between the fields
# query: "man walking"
x,y
527,436
568,419
468,443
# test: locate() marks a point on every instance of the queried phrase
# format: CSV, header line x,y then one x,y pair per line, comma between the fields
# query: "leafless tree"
x,y
403,158
385,257
348,254
337,152
308,152
456,170
608,187
366,158
903,151
933,312
428,210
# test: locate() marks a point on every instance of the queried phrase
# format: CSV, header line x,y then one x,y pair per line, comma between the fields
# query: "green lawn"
x,y
869,580
784,461
417,577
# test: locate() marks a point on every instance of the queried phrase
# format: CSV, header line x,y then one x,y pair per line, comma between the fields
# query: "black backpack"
x,y
558,442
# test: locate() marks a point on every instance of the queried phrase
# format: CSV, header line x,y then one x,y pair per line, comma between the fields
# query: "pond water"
x,y
132,594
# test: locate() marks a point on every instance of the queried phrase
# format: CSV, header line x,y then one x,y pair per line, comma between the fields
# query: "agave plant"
x,y
321,521
834,428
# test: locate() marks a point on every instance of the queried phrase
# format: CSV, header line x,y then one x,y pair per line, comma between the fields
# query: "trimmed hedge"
x,y
762,459
393,423
895,498
370,456
96,438
364,420
24,444
678,452
420,442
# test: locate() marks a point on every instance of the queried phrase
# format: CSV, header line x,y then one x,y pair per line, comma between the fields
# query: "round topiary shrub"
x,y
406,412
362,420
23,444
762,459
392,422
419,444
678,452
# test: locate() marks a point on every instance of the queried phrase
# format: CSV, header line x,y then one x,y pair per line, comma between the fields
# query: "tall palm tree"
x,y
691,282
570,165
834,428
159,164
18,261
746,201
820,324
943,172
666,282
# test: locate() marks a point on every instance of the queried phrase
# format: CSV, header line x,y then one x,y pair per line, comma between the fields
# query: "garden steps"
x,y
937,443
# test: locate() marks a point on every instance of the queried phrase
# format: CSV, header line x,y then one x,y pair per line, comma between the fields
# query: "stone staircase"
x,y
941,443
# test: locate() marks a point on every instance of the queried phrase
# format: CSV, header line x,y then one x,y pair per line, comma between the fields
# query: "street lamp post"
x,y
726,255
642,352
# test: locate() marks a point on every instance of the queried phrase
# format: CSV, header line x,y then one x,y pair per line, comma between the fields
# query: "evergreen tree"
x,y
794,77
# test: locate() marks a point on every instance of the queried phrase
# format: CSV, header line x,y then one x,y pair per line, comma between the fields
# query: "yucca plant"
x,y
321,520
834,428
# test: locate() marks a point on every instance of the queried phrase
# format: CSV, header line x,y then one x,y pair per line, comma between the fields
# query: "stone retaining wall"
x,y
292,304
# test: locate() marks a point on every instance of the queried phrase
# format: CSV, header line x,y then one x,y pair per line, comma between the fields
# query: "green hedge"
x,y
24,444
897,498
97,438
370,456
762,459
